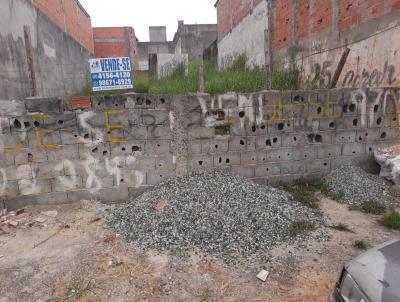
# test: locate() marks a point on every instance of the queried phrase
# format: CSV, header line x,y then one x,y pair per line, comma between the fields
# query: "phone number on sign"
x,y
112,75
115,82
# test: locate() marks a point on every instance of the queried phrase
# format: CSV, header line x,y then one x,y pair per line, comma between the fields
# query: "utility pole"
x,y
268,49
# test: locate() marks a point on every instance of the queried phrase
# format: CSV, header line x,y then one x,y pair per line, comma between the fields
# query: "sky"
x,y
140,14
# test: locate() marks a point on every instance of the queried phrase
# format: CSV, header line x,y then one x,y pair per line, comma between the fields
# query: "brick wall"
x,y
116,42
130,142
71,17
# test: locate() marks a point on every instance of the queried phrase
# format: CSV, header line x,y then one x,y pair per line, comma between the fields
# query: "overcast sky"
x,y
140,14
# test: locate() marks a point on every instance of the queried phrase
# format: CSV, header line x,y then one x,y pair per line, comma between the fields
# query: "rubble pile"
x,y
389,160
221,214
353,186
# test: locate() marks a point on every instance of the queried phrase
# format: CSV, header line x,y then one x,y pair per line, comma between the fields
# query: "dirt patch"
x,y
89,262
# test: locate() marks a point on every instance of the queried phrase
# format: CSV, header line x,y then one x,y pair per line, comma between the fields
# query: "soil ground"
x,y
84,260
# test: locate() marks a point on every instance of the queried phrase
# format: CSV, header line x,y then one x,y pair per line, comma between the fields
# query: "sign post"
x,y
111,73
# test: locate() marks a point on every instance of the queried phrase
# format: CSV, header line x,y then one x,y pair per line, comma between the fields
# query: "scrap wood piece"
x,y
51,236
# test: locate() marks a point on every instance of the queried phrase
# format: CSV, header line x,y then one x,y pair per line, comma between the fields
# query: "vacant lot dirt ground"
x,y
86,261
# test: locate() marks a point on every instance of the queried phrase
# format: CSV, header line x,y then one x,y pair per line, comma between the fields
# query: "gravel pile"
x,y
221,214
353,186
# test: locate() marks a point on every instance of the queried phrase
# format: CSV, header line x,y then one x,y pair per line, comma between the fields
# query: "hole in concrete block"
x,y
162,100
253,128
275,140
220,160
320,21
95,150
379,121
27,124
376,108
116,105
220,115
105,152
60,122
241,114
366,134
332,125
148,102
354,152
352,108
200,162
281,126
122,180
298,99
216,146
123,149
227,161
17,124
30,157
370,149
319,110
267,169
135,148
325,164
383,135
310,138
295,138
36,123
345,108
355,122
86,135
268,142
108,132
360,138
139,101
242,142
262,127
75,135
318,138
279,157
158,145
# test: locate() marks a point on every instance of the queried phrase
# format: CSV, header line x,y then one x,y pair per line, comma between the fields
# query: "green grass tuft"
x,y
342,227
359,244
391,221
370,207
299,227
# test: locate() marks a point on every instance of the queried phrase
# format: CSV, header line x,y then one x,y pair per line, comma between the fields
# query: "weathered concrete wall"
x,y
245,38
167,63
147,48
127,143
60,63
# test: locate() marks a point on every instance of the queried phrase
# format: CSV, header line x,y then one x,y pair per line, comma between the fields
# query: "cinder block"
x,y
155,117
349,122
165,164
329,151
253,157
44,138
344,137
46,170
73,136
131,148
318,166
212,146
14,141
281,154
280,127
227,159
60,121
245,171
366,162
142,163
132,178
33,155
34,186
260,180
201,132
136,132
194,146
158,147
21,124
40,104
98,151
140,101
268,142
298,167
67,183
353,149
328,124
368,135
100,103
286,168
6,159
390,134
319,138
306,125
237,130
97,182
294,140
163,102
159,132
4,125
268,170
9,188
242,143
12,108
304,153
199,162
18,172
154,178
70,152
91,120
122,117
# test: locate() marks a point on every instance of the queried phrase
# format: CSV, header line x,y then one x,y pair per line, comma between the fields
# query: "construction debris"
x,y
389,160
353,186
263,275
221,214
52,214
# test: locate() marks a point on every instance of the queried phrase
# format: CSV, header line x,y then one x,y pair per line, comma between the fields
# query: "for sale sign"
x,y
111,73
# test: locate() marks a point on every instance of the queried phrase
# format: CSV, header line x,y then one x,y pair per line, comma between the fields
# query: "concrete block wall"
x,y
125,144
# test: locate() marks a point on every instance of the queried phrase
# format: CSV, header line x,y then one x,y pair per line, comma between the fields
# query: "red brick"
x,y
81,102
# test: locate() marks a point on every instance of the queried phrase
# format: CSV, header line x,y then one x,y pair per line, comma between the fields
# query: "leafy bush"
x,y
371,207
299,227
361,245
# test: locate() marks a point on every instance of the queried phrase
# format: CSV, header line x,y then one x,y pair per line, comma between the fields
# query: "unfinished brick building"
x,y
313,34
116,42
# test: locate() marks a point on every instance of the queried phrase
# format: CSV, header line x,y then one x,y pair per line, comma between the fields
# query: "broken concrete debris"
x,y
263,275
51,214
216,212
389,160
353,186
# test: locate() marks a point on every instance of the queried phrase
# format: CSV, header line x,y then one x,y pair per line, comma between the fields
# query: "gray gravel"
x,y
220,214
353,186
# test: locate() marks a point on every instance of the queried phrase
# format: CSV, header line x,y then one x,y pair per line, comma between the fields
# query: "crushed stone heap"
x,y
221,214
353,186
